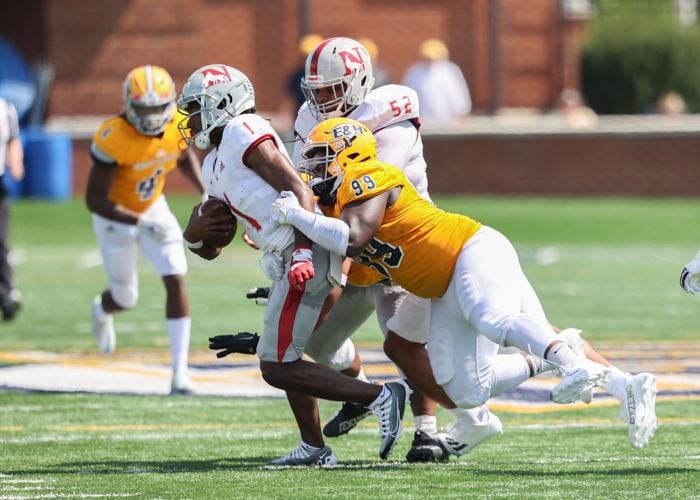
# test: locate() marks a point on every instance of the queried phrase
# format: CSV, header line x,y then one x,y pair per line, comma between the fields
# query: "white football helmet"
x,y
337,77
215,94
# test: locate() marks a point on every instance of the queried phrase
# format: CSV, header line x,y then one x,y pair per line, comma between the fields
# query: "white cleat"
x,y
639,409
181,384
303,456
577,379
390,412
572,338
461,437
103,329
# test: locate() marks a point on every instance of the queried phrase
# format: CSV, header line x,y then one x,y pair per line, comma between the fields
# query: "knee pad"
x,y
124,295
466,396
339,359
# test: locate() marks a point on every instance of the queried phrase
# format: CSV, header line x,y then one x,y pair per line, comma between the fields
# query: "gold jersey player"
x,y
132,154
480,297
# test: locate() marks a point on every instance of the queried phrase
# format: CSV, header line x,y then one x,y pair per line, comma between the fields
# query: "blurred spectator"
x,y
671,104
294,97
574,110
380,71
11,154
443,95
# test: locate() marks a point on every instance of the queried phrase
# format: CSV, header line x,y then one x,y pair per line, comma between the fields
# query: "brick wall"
x,y
513,53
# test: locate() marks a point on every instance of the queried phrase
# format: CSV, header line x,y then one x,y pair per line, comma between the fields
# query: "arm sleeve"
x,y
393,144
332,234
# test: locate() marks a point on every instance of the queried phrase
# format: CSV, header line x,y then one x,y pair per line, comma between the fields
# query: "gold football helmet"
x,y
332,146
149,99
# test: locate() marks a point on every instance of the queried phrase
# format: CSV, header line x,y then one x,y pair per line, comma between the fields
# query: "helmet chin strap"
x,y
201,140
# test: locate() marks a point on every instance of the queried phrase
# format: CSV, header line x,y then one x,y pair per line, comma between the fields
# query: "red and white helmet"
x,y
337,77
216,94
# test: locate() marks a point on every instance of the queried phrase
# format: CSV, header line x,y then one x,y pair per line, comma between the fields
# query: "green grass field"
x,y
608,266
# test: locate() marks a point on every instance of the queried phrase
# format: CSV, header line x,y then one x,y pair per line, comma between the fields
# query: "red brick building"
x,y
513,53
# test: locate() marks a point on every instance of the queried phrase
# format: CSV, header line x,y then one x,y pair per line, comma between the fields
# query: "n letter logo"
x,y
352,60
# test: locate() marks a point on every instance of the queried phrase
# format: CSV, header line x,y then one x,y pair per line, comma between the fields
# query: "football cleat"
x,y
12,305
578,378
103,329
349,415
572,338
639,409
427,448
462,437
181,384
302,455
390,411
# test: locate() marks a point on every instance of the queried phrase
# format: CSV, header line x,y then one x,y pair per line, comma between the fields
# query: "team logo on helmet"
x,y
212,75
352,61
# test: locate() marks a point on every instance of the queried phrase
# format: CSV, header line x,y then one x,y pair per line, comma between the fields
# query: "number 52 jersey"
x,y
142,161
417,244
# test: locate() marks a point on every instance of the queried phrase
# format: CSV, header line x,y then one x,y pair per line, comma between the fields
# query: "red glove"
x,y
302,268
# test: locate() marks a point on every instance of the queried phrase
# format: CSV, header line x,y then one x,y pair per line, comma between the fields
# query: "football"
x,y
218,207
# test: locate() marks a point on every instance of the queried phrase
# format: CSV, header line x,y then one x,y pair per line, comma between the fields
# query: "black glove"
x,y
258,293
242,342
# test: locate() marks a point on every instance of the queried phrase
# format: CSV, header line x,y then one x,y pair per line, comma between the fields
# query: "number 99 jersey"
x,y
142,161
417,244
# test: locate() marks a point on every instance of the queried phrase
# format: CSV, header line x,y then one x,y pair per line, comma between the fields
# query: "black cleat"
x,y
426,448
349,415
242,342
12,306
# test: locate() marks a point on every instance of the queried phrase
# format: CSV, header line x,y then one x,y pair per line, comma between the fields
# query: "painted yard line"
x,y
288,425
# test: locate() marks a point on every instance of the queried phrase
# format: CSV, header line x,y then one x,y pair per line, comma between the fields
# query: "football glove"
x,y
272,264
153,227
690,276
302,268
242,342
281,206
260,294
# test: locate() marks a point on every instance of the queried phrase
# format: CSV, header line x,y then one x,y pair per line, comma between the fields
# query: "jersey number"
x,y
146,187
357,187
397,103
380,256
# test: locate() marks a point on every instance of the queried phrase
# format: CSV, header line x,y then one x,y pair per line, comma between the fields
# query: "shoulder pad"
x,y
387,105
367,180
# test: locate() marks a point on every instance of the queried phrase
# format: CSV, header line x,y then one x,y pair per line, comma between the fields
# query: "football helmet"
x,y
212,96
337,77
149,99
332,146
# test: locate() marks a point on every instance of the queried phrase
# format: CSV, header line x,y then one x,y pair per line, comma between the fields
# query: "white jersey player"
x,y
247,168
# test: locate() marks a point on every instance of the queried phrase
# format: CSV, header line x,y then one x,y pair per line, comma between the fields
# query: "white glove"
x,y
281,206
690,275
272,265
155,228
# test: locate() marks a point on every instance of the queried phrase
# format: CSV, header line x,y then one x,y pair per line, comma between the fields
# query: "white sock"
x,y
561,354
99,310
472,416
426,423
179,335
510,370
361,376
308,447
616,384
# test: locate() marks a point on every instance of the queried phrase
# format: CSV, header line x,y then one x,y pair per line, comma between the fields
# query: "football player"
x,y
247,168
480,298
338,82
132,154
